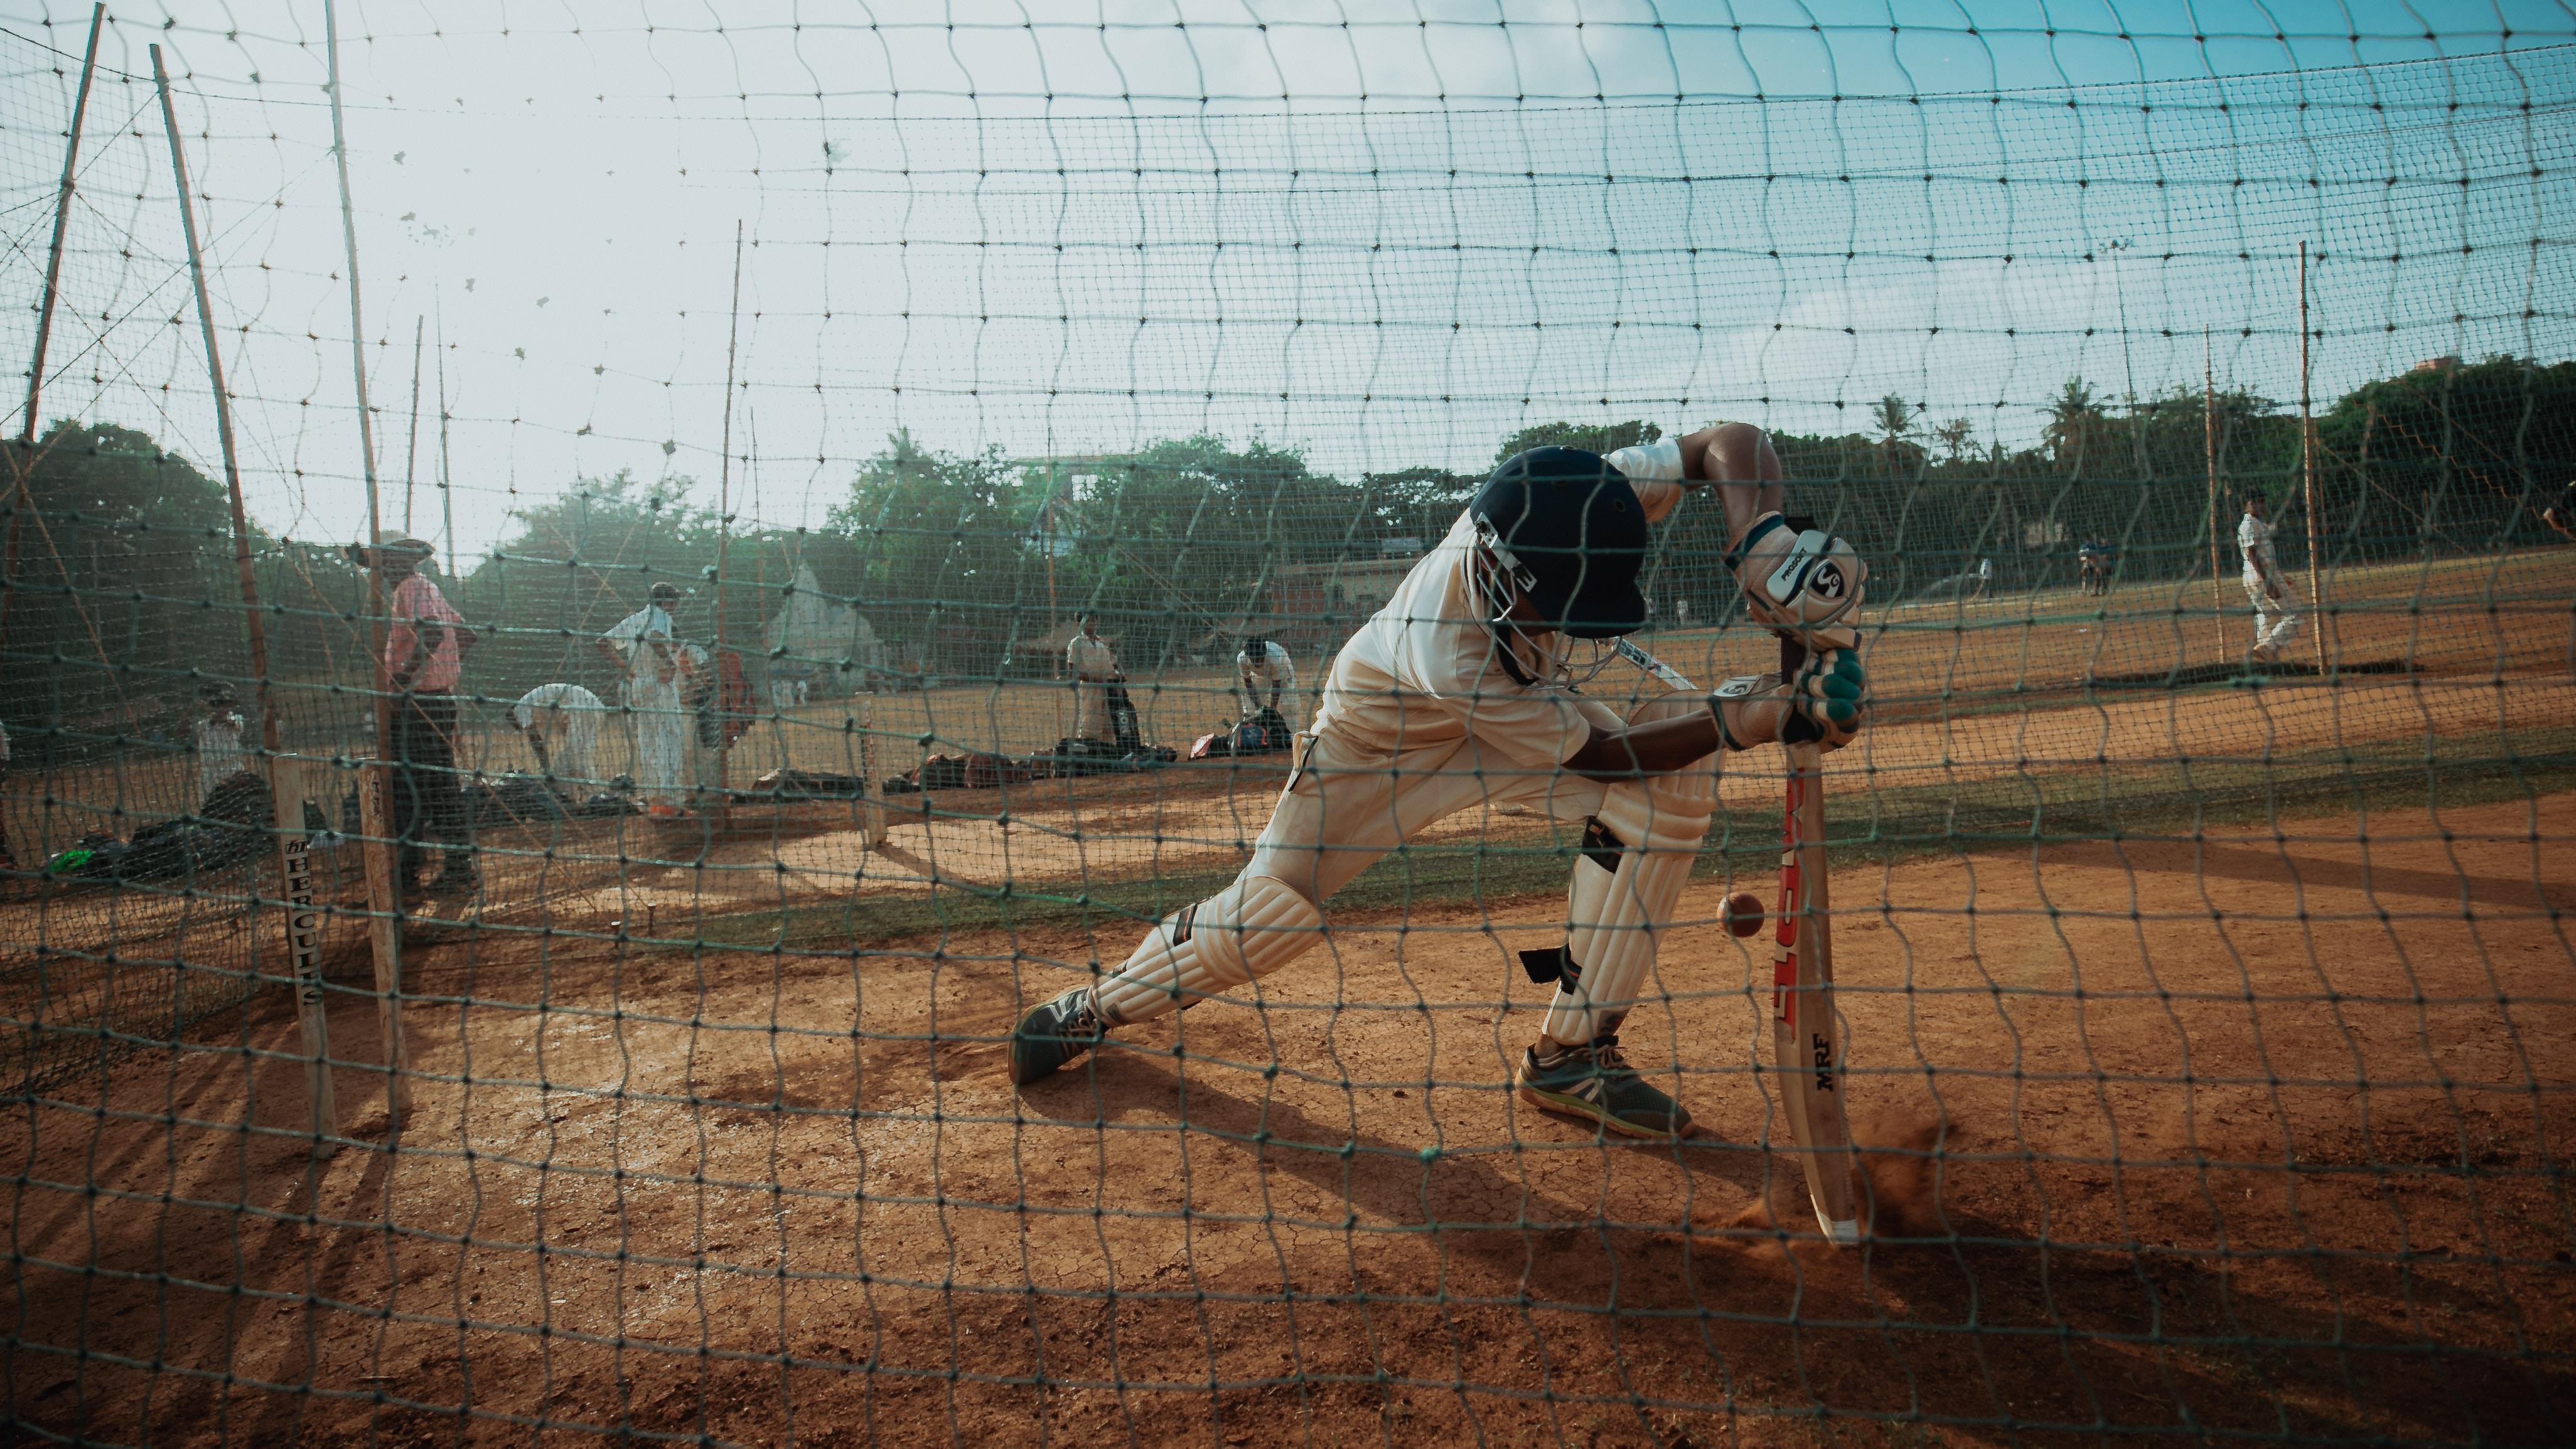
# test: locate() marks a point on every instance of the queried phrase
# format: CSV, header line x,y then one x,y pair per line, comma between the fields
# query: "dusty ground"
x,y
2259,1134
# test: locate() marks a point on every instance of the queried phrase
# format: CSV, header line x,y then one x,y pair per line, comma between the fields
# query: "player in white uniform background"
x,y
1461,693
1266,675
561,724
2276,608
645,649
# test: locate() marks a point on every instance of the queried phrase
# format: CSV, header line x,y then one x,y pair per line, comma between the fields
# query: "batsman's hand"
x,y
1826,700
1823,703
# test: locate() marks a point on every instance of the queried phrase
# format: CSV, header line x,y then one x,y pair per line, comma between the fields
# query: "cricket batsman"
x,y
1462,693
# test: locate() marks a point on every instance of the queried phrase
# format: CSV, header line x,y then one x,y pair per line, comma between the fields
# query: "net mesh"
x,y
981,402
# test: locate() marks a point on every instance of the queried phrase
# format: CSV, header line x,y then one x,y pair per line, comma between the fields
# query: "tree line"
x,y
974,564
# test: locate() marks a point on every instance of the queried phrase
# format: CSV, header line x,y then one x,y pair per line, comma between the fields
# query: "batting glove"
x,y
1797,582
1822,704
1826,701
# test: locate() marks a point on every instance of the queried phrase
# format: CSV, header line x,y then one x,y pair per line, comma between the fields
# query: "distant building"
x,y
2444,363
1316,606
1408,546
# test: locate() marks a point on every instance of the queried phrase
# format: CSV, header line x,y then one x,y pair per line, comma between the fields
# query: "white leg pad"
x,y
1617,914
1248,930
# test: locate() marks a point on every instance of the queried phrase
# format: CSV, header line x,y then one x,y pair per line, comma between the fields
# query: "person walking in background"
x,y
2276,613
425,648
645,651
561,723
2561,515
219,738
1095,669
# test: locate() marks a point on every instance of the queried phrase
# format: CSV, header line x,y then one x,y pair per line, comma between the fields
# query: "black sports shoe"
x,y
1053,1034
1594,1082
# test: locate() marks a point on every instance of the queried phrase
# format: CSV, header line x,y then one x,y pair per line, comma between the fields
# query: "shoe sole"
x,y
1565,1105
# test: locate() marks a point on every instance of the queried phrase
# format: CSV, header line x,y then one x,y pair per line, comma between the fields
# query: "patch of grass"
x,y
2007,812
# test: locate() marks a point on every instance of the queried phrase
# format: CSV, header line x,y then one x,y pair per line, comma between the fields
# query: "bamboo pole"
x,y
295,867
724,531
54,256
24,463
446,488
385,930
2209,445
2308,471
411,450
358,371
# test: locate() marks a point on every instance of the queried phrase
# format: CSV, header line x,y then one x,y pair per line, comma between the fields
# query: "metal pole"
x,y
384,901
2308,468
724,531
24,462
411,451
2209,444
295,870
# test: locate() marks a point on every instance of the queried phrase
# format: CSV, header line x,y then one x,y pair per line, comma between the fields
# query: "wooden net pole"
x,y
384,926
724,531
446,484
2308,472
295,867
2209,446
24,462
411,450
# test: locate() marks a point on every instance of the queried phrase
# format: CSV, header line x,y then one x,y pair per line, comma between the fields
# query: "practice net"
x,y
595,1022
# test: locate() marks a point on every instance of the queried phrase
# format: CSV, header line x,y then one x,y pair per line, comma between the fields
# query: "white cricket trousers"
x,y
1347,805
576,750
2276,621
1091,719
1350,806
661,730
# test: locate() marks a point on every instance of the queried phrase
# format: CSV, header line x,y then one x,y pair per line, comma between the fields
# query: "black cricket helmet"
x,y
1567,532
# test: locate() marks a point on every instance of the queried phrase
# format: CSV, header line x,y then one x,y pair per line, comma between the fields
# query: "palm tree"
x,y
2074,418
1895,418
1953,437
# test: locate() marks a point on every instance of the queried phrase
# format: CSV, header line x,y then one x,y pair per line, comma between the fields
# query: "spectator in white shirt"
x,y
219,738
1095,668
646,653
2276,613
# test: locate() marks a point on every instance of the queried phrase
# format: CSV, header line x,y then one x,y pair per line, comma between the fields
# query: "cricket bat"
x,y
1806,1046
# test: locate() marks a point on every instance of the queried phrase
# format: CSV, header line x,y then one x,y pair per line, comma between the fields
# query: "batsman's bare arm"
x,y
1738,458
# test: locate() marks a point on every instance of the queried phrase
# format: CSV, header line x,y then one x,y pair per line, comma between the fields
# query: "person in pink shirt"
x,y
425,646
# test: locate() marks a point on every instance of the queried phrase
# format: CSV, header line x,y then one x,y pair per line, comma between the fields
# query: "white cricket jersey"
x,y
557,700
2254,544
633,636
1425,671
1275,667
1090,657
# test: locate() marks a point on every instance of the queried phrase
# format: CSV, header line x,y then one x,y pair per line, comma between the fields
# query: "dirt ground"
x,y
2256,1134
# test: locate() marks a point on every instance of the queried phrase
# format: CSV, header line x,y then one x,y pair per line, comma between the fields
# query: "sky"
x,y
1388,235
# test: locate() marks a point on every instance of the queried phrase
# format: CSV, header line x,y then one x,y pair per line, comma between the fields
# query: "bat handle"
x,y
1793,653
